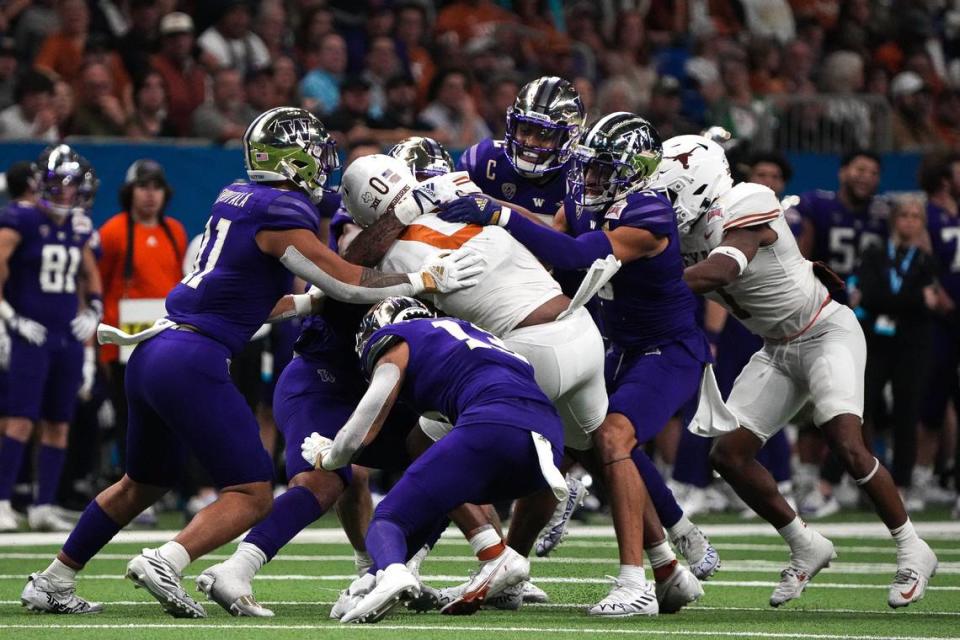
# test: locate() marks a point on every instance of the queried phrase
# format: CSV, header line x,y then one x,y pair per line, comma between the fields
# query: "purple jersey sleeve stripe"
x,y
289,212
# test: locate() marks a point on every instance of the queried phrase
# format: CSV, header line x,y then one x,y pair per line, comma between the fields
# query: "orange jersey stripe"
x,y
434,238
753,219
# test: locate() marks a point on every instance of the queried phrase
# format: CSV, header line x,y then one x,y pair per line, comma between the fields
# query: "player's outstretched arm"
x,y
367,419
304,255
727,261
370,245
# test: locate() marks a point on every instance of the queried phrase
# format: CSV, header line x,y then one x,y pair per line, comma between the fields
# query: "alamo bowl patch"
x,y
509,190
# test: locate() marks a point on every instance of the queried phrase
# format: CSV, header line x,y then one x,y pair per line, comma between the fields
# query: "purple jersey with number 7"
x,y
234,285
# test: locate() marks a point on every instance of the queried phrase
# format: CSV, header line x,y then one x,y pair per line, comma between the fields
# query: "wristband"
x,y
733,253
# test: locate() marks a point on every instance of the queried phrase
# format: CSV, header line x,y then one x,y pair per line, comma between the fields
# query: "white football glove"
x,y
446,272
30,330
89,373
314,448
85,324
4,348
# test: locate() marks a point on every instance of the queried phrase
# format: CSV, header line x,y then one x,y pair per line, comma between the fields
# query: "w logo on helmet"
x,y
291,129
684,158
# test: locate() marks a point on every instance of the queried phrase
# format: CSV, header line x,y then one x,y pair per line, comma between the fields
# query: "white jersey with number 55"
x,y
777,296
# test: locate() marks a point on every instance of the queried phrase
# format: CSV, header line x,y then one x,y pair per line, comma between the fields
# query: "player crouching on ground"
x,y
506,442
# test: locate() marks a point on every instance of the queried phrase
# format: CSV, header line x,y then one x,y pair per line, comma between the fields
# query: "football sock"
x,y
386,543
60,572
93,531
796,534
694,450
681,528
904,535
775,456
487,538
663,500
11,456
662,559
175,554
362,561
247,559
292,513
632,574
49,468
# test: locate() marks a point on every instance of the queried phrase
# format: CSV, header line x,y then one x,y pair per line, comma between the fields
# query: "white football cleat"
x,y
231,591
395,583
914,570
804,565
678,590
507,569
701,556
534,594
626,600
510,599
352,595
151,572
44,517
43,593
8,517
556,530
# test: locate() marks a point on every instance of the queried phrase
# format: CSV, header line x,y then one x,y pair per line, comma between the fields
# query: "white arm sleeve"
x,y
299,265
350,437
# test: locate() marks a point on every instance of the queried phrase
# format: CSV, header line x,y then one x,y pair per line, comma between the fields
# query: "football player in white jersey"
x,y
740,252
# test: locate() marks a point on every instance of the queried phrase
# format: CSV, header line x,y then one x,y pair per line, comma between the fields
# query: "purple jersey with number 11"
x,y
469,376
234,285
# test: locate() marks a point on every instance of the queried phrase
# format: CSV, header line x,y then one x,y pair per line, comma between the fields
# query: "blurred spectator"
x,y
98,112
34,24
617,94
62,51
315,25
584,87
898,292
352,119
141,254
98,50
382,64
410,31
947,118
629,57
741,113
401,108
226,116
664,110
285,81
260,90
799,61
766,63
583,25
535,33
143,38
63,104
771,169
32,116
503,93
320,87
452,111
271,26
467,19
184,80
857,29
149,117
8,71
770,19
846,122
913,128
229,42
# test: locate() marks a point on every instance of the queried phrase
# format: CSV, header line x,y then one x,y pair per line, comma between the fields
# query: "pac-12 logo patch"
x,y
509,189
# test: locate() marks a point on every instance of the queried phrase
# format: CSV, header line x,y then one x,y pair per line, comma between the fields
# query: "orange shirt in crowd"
x,y
157,266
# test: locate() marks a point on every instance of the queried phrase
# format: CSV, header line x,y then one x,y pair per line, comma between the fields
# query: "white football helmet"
x,y
373,185
695,172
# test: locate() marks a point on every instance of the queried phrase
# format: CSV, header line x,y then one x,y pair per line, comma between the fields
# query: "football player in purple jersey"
x,y
179,392
657,354
44,252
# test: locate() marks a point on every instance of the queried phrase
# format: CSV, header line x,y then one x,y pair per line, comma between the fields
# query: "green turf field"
x,y
846,601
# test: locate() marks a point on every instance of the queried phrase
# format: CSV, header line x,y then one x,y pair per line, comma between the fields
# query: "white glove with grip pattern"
x,y
30,330
314,448
452,271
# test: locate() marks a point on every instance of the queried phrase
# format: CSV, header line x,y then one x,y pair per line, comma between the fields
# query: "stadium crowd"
x,y
760,77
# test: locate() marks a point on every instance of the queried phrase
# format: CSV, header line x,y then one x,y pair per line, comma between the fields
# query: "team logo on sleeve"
x,y
509,190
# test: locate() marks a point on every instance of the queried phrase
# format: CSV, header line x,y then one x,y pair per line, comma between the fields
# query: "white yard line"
x,y
580,605
347,578
870,529
637,629
731,566
738,546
